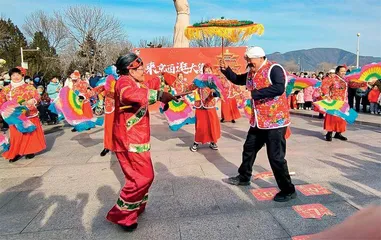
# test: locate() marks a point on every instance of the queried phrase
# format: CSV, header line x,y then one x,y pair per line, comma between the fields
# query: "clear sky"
x,y
289,24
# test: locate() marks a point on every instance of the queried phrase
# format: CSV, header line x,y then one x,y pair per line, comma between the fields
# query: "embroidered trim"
x,y
139,148
152,96
134,119
130,206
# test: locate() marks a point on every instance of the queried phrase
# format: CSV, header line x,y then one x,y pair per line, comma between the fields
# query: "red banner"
x,y
189,61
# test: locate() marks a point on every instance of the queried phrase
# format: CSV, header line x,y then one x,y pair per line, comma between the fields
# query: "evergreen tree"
x,y
11,39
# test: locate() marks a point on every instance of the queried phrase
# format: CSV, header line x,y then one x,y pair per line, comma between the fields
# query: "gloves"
x,y
165,97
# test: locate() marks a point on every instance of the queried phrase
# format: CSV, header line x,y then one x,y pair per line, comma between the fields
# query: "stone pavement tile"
x,y
60,160
190,171
20,184
89,170
24,202
60,213
217,227
6,197
371,183
223,169
296,225
12,223
110,157
161,187
20,163
194,196
162,207
23,172
147,230
363,202
243,225
49,235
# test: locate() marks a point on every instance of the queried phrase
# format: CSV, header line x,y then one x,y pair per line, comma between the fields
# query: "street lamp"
x,y
358,51
26,50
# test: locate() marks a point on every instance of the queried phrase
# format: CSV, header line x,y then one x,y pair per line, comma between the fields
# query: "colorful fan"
x,y
213,82
111,70
367,73
4,143
299,83
14,114
71,107
110,83
101,82
336,108
247,108
178,114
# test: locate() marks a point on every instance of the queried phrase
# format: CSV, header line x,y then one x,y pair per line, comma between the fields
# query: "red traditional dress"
x,y
336,88
109,106
82,87
131,143
229,108
24,143
208,129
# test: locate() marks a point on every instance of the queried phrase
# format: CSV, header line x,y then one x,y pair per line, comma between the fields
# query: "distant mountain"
x,y
311,58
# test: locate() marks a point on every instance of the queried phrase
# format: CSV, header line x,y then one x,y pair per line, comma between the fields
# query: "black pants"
x,y
276,150
351,96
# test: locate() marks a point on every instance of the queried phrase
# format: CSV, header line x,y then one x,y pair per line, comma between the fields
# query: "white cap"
x,y
255,52
332,71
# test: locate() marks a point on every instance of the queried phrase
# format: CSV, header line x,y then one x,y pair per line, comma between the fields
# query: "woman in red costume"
x,y
23,144
336,88
109,102
208,129
82,86
131,138
229,108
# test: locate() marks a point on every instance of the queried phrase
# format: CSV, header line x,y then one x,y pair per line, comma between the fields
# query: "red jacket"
x,y
373,95
131,131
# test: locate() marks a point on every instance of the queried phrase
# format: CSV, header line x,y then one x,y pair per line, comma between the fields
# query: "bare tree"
x,y
291,66
82,21
325,66
156,42
113,50
52,27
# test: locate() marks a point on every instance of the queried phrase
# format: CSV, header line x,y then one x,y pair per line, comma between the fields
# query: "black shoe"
x,y
237,181
328,137
213,146
222,120
340,137
233,121
194,147
284,197
104,152
15,159
30,156
74,130
129,228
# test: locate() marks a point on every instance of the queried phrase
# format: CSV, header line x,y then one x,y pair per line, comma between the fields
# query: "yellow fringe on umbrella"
x,y
232,34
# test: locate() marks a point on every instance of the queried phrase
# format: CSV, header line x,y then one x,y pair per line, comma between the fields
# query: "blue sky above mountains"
x,y
289,25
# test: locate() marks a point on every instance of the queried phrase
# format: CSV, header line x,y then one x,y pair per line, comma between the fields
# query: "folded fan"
x,y
15,114
336,108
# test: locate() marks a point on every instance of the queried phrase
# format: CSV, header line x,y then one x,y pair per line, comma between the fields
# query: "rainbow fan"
x,y
370,72
71,107
110,83
336,108
299,83
4,143
367,73
248,109
211,81
178,114
15,114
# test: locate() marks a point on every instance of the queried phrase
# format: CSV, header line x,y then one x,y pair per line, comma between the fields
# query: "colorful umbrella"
x,y
231,30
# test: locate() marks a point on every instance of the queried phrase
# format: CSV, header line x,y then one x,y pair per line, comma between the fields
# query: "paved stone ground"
x,y
66,192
